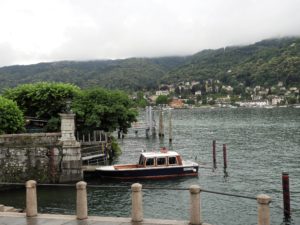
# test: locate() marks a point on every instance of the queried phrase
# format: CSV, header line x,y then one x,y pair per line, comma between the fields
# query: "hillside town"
x,y
186,94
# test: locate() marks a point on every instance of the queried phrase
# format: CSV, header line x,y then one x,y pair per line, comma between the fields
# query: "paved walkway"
x,y
8,218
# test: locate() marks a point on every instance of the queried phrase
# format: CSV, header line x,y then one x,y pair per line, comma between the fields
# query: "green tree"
x,y
11,117
162,99
291,100
98,108
190,102
141,101
43,100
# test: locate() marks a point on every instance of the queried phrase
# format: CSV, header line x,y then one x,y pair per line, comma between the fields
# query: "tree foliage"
x,y
140,101
11,117
98,108
43,99
162,99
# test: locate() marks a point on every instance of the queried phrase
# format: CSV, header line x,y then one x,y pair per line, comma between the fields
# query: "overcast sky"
x,y
34,31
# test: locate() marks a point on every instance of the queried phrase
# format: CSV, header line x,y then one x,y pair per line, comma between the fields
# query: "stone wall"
x,y
44,157
30,156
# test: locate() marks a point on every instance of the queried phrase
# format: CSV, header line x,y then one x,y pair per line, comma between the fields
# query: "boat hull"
x,y
149,173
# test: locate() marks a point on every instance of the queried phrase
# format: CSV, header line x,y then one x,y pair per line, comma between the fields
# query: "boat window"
x,y
161,161
141,161
172,161
150,162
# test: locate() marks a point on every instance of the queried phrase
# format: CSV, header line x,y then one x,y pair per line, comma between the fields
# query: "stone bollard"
x,y
195,217
137,203
81,201
263,209
31,199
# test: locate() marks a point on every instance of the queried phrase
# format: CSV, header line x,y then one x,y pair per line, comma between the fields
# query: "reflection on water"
x,y
261,144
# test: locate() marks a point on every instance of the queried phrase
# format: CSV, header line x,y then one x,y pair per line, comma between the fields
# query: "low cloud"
x,y
102,29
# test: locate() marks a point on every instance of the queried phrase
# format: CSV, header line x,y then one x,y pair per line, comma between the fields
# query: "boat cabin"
x,y
157,159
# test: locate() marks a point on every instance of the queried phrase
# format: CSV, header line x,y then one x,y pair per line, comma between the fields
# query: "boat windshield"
x,y
141,161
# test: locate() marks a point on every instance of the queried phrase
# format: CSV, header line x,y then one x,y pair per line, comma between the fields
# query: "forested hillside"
x,y
127,74
263,63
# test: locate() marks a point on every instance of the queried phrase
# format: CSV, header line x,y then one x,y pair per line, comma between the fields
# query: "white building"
x,y
276,100
198,93
253,103
166,92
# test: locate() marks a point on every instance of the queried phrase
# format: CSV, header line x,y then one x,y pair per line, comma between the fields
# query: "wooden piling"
x,y
161,125
214,154
225,156
170,128
286,196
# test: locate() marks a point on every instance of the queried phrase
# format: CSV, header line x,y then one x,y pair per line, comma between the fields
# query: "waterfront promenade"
x,y
10,218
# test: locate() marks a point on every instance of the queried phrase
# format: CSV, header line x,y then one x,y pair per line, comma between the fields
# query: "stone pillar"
x,y
67,127
81,201
195,217
263,209
137,203
31,199
71,161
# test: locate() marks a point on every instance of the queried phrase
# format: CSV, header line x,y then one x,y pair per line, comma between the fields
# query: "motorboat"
x,y
151,165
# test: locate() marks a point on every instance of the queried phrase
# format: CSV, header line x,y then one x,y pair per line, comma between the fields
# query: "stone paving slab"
x,y
10,218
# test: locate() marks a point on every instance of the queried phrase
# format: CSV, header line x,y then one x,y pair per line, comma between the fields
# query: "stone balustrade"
x,y
137,204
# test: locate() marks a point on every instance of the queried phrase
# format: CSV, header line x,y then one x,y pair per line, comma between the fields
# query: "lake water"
x,y
261,144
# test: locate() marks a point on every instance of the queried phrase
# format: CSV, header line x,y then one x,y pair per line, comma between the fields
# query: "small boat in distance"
x,y
151,165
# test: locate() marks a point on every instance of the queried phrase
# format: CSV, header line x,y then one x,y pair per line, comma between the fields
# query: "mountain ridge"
x,y
262,63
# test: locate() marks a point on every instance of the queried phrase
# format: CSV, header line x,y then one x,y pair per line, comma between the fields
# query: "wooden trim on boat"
x,y
153,177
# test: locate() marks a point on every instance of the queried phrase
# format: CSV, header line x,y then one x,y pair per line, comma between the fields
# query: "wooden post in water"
x,y
170,128
225,156
161,125
214,155
286,196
